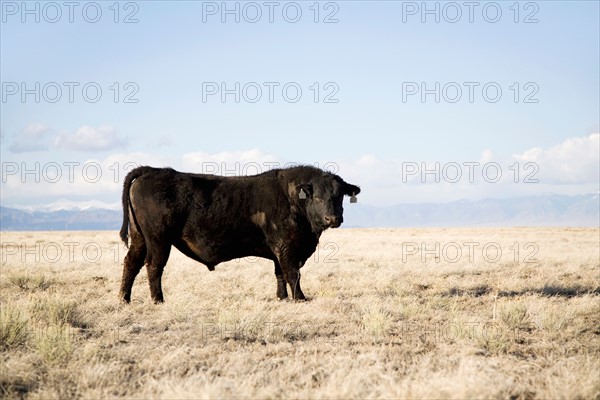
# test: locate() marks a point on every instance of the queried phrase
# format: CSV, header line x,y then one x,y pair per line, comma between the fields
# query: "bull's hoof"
x,y
158,300
125,299
299,297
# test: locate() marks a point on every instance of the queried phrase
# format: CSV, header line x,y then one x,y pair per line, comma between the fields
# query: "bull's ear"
x,y
352,191
304,190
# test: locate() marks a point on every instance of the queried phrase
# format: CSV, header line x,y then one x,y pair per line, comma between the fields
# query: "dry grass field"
x,y
488,313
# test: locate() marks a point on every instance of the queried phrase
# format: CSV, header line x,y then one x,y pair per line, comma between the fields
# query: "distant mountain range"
x,y
12,219
542,210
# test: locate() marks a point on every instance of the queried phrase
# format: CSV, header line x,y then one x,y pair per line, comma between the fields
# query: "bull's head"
x,y
323,198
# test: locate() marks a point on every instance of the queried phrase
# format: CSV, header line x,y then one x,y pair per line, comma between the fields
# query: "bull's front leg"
x,y
290,266
282,292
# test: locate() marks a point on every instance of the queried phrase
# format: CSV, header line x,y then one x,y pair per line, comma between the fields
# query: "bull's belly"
x,y
211,253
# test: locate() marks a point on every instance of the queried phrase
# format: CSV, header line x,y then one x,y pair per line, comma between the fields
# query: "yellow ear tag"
x,y
353,198
302,194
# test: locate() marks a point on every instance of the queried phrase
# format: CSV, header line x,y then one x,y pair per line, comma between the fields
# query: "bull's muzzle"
x,y
333,221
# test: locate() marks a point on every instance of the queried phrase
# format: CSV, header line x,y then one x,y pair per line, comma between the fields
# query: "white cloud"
x,y
34,137
574,161
486,156
368,159
570,168
86,138
83,180
39,137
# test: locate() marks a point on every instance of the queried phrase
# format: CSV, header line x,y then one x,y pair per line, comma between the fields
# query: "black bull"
x,y
278,215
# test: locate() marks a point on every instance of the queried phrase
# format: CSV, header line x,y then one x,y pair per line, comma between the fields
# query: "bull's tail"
x,y
131,176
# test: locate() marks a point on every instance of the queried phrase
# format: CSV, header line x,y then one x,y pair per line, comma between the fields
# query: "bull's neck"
x,y
305,224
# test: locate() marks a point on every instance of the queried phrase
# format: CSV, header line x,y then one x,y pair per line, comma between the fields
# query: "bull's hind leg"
x,y
157,259
281,284
133,263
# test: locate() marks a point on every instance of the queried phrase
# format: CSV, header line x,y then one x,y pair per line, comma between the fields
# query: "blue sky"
x,y
368,61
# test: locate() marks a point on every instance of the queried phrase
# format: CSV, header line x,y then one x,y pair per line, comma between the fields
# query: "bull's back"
x,y
169,196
